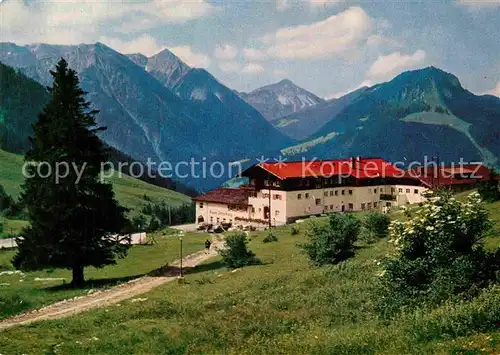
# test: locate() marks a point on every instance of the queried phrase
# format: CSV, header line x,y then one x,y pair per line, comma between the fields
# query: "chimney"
x,y
353,163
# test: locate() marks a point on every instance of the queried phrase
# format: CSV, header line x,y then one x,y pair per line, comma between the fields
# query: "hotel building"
x,y
280,193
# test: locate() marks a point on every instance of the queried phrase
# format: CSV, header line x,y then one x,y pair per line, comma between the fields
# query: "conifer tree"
x,y
71,220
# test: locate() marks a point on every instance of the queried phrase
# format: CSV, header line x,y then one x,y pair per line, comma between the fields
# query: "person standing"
x,y
208,243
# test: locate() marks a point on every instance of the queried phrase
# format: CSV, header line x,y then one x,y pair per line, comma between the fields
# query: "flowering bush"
x,y
438,254
334,242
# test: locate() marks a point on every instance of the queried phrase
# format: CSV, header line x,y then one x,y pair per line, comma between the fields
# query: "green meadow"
x,y
284,306
130,192
20,292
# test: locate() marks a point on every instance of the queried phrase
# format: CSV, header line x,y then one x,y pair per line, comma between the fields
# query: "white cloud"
x,y
191,58
225,51
179,10
282,5
252,68
229,66
385,67
144,44
77,21
479,3
495,91
342,93
254,54
337,34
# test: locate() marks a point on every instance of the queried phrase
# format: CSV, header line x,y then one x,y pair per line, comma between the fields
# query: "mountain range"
x,y
419,113
280,99
158,107
304,123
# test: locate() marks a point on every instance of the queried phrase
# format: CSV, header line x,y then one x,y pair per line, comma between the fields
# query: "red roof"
x,y
452,175
226,196
361,168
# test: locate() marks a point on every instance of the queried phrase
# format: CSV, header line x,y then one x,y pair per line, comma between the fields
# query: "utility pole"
x,y
169,216
181,276
439,169
269,207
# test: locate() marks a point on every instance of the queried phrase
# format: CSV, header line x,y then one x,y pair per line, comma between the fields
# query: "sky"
x,y
329,47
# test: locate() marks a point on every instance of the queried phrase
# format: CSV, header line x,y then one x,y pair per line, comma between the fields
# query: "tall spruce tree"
x,y
71,220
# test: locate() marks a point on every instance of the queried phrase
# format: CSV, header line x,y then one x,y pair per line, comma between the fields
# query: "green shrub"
x,y
1,227
333,242
270,237
490,190
377,224
295,230
439,255
236,253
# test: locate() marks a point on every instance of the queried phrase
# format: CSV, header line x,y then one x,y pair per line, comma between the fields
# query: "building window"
x,y
325,193
299,196
331,193
415,191
336,193
277,212
369,205
266,182
407,191
253,209
211,220
276,197
201,204
363,206
307,195
400,190
343,192
381,189
393,190
331,207
350,192
351,206
374,191
318,201
253,194
375,204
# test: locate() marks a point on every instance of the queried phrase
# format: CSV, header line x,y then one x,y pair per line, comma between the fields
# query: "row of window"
x,y
276,212
350,206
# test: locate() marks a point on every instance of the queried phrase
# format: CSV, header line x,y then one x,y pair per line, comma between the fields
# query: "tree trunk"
x,y
78,278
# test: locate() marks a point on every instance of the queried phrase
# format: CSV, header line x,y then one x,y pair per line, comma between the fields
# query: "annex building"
x,y
283,192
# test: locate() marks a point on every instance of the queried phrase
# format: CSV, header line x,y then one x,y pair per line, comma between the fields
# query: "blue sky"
x,y
329,47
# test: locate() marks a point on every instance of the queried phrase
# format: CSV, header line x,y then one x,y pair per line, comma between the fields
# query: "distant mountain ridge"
x,y
419,113
156,107
304,123
280,99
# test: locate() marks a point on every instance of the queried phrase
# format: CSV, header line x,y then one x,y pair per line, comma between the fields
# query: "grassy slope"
x,y
130,192
284,306
18,294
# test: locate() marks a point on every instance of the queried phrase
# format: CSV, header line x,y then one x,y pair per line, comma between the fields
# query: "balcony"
x,y
387,197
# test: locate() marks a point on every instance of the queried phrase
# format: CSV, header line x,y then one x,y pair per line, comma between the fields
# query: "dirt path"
x,y
113,295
